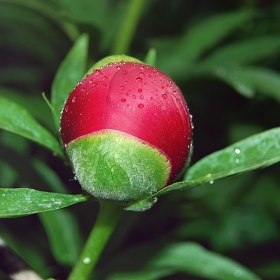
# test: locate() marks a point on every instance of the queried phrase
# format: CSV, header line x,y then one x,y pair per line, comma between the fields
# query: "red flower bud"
x,y
127,130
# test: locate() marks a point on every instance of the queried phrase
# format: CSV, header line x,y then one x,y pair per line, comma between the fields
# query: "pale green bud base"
x,y
117,167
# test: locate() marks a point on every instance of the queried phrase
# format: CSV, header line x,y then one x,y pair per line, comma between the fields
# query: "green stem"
x,y
107,219
126,32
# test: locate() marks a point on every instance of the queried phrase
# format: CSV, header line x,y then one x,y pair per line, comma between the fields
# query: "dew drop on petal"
x,y
122,87
74,99
118,67
141,74
139,89
140,106
141,97
105,78
164,96
123,100
96,72
139,80
134,96
124,72
83,90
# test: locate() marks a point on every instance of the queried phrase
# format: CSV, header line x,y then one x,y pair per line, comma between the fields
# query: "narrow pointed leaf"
x,y
23,201
193,259
247,51
248,81
257,151
63,234
201,37
16,119
71,70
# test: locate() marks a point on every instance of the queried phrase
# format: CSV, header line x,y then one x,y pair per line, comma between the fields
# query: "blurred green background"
x,y
225,57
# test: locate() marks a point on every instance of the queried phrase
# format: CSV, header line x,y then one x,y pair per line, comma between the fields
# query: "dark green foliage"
x,y
224,55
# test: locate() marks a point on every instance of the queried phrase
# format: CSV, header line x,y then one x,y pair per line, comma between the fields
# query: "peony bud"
x,y
127,131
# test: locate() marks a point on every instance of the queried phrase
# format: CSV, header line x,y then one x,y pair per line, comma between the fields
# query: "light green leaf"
x,y
246,51
249,80
63,234
70,72
193,259
151,57
35,105
23,201
260,150
16,119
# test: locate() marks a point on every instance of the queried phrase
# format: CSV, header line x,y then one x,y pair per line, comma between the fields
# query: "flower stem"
x,y
107,219
126,32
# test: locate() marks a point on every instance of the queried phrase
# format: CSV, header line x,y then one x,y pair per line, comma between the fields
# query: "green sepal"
x,y
114,166
113,59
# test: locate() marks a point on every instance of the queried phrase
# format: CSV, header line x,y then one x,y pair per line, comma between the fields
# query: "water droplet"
x,y
174,91
211,182
139,80
142,74
86,260
118,67
162,87
105,78
140,106
74,99
141,97
124,72
237,160
123,100
237,151
96,72
83,90
139,89
134,96
122,87
238,273
125,82
164,96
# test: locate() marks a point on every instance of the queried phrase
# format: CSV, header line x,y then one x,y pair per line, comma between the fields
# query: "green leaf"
x,y
23,201
260,150
70,72
151,57
247,81
35,105
63,234
246,51
145,273
193,259
201,37
16,119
